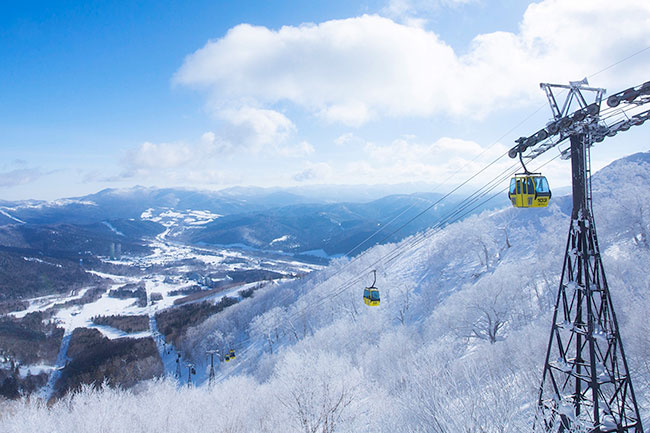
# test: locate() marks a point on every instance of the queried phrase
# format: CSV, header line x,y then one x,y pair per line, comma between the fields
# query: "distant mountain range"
x,y
131,202
267,219
110,204
334,229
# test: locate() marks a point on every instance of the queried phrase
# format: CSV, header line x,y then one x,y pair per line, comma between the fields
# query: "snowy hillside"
x,y
456,345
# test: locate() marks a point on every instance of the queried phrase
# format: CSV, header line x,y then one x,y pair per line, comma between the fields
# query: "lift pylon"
x,y
586,385
212,375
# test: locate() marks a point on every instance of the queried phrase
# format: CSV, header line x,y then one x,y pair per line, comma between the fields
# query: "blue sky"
x,y
213,94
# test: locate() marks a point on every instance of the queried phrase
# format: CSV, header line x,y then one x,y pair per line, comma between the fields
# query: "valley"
x,y
128,299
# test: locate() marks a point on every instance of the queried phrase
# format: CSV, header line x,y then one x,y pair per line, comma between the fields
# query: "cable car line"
x,y
504,135
421,213
402,248
345,266
456,212
495,142
415,241
352,283
455,216
463,209
619,62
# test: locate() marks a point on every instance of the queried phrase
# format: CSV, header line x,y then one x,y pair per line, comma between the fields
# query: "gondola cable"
x,y
352,282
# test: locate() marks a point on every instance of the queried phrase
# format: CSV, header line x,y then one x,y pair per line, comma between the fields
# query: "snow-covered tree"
x,y
319,392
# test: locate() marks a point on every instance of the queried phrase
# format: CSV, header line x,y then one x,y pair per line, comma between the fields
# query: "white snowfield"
x,y
45,302
280,239
34,259
37,204
35,369
11,217
113,229
81,316
169,218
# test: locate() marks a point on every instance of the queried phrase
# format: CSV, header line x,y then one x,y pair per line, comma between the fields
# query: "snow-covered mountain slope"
x,y
335,228
131,202
266,219
312,357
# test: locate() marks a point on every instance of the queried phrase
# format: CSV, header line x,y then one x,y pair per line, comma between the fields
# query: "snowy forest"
x,y
457,344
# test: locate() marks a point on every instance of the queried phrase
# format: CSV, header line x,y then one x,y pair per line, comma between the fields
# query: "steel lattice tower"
x,y
586,385
212,375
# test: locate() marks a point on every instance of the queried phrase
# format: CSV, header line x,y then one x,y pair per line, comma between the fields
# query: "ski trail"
x,y
168,354
61,358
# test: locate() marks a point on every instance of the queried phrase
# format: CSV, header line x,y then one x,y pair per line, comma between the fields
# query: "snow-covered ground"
x,y
61,359
11,217
113,229
34,259
178,261
43,303
169,217
80,316
34,369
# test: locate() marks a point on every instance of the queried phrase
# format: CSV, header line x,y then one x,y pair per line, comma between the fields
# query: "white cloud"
x,y
352,113
255,128
355,70
301,149
445,161
160,156
156,158
20,176
344,70
319,171
349,139
409,151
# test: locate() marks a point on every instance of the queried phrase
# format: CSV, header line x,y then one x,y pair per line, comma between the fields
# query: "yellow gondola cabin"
x,y
371,296
529,190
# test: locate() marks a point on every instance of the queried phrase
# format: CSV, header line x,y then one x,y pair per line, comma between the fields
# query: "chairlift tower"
x,y
586,384
212,375
190,372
